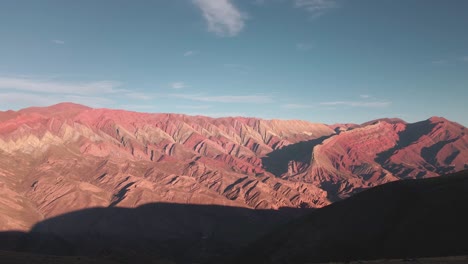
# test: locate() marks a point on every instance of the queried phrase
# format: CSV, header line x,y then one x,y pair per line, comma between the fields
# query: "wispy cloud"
x,y
297,106
58,41
18,100
138,96
189,53
193,106
226,98
240,68
450,61
365,96
222,17
138,107
357,103
178,85
438,62
48,86
316,7
303,46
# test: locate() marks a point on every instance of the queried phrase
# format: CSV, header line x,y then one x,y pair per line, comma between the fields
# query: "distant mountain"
x,y
68,157
386,150
399,220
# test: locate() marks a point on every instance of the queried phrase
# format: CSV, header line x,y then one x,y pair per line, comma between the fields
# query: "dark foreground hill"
x,y
404,219
153,232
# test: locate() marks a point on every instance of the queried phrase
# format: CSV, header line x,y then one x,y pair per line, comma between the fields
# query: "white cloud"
x,y
316,7
357,103
178,85
303,46
226,98
25,99
58,41
222,17
365,96
47,86
297,106
189,53
85,100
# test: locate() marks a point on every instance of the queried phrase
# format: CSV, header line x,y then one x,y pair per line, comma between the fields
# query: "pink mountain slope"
x,y
386,150
67,157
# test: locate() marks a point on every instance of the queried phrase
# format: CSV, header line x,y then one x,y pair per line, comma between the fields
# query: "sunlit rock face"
x,y
386,150
67,157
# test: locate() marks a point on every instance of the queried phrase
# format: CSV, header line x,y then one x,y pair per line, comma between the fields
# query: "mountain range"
x,y
197,187
68,157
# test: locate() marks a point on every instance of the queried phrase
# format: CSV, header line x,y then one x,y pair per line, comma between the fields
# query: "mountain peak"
x,y
64,106
393,120
437,119
65,109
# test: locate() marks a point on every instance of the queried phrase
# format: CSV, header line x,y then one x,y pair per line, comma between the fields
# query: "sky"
x,y
328,61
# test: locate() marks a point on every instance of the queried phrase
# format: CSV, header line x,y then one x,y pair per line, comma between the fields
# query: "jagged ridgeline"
x,y
68,157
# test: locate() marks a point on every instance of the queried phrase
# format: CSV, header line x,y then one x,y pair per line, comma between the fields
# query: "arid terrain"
x,y
68,157
216,184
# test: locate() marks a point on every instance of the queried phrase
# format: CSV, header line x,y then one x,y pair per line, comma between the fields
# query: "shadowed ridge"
x,y
278,161
339,127
177,231
441,144
403,219
407,137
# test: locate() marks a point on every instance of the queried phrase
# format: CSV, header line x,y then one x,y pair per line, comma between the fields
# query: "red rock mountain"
x,y
67,157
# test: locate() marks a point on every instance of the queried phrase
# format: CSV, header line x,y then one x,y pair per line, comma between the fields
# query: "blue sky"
x,y
318,60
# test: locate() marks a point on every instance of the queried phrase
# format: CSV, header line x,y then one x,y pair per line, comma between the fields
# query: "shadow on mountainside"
x,y
407,137
180,232
402,219
276,162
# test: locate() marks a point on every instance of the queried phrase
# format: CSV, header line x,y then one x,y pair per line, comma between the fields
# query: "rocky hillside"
x,y
68,157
